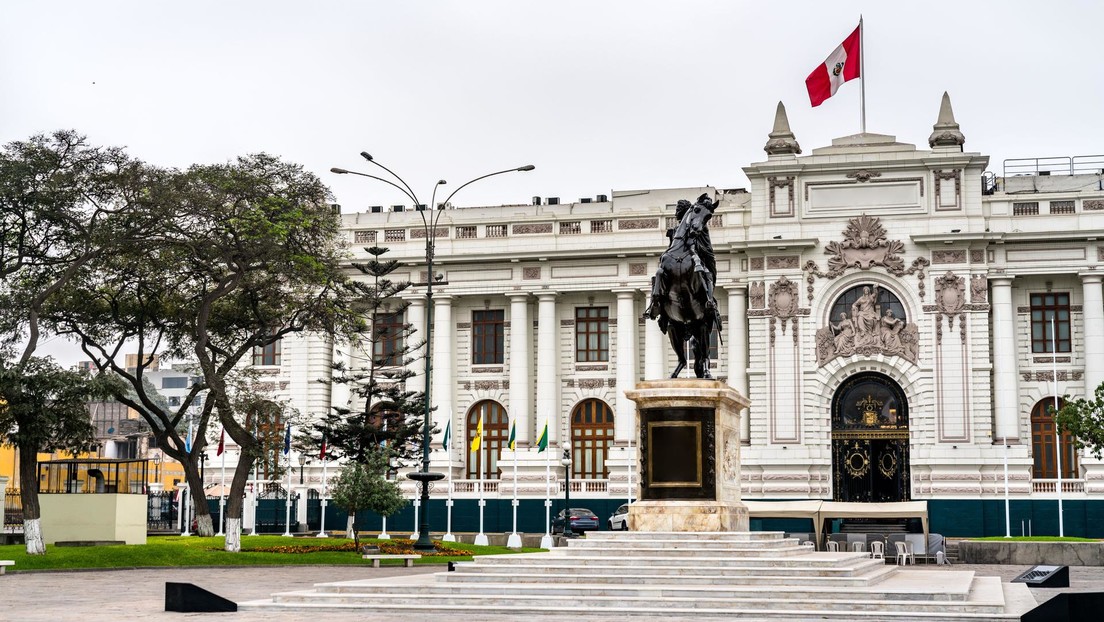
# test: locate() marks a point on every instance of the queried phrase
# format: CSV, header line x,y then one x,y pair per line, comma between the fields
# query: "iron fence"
x,y
13,512
161,512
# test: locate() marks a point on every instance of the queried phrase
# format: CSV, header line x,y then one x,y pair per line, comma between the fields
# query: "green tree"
x,y
44,408
1084,419
364,486
249,254
386,417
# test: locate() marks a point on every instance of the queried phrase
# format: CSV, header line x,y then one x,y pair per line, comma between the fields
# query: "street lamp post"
x,y
424,476
566,462
303,460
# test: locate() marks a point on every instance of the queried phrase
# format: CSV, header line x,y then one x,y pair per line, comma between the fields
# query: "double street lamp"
x,y
424,543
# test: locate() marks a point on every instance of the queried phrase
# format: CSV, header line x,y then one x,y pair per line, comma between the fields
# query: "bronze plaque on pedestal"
x,y
677,451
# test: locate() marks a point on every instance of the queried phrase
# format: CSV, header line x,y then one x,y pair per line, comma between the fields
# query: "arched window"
x,y
496,431
591,435
267,422
1043,437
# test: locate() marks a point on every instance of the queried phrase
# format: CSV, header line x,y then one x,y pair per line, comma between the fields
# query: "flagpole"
x,y
1057,432
322,527
514,541
256,487
862,75
546,540
222,489
481,538
287,499
448,537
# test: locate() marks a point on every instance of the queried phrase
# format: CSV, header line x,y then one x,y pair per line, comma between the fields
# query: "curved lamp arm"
x,y
341,171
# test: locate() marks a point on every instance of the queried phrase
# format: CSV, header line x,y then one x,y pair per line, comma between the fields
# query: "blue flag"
x,y
287,440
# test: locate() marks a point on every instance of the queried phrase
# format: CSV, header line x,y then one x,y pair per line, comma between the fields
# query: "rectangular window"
x,y
1062,207
179,382
1025,209
1046,308
267,355
387,339
394,235
488,337
496,231
364,237
591,334
601,226
465,233
570,227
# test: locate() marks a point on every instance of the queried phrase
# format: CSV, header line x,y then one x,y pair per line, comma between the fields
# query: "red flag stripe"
x,y
842,65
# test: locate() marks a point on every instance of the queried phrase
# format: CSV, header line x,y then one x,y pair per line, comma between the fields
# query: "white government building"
x,y
887,309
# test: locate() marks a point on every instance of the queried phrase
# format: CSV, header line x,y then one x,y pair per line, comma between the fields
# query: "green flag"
x,y
512,442
542,442
448,435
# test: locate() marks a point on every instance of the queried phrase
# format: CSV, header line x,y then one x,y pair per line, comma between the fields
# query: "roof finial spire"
x,y
945,133
781,140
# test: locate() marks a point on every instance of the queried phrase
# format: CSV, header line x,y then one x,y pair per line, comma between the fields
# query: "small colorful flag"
x,y
287,440
512,441
478,440
542,442
188,440
222,443
448,435
322,454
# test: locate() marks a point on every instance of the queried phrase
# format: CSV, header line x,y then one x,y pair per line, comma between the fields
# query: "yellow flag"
x,y
478,440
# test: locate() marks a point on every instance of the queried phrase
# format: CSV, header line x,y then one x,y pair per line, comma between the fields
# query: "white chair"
x,y
833,546
904,553
858,547
877,550
808,543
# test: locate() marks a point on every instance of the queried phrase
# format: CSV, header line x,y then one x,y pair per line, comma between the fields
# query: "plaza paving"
x,y
91,596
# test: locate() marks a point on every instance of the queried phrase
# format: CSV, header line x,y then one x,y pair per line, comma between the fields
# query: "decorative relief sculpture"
x,y
979,288
871,328
755,292
864,246
949,294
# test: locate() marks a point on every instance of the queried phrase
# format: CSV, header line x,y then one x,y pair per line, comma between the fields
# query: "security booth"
x,y
95,500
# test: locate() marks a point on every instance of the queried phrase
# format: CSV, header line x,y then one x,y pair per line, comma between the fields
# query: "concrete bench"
x,y
4,563
408,560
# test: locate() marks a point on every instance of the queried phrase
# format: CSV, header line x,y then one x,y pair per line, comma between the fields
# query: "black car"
x,y
582,520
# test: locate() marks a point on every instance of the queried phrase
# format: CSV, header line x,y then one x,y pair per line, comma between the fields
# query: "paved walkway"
x,y
121,595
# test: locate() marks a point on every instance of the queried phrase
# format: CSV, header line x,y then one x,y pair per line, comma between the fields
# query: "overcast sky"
x,y
600,96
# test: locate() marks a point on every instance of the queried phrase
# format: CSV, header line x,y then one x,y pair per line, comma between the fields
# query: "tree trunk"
x,y
204,525
28,493
235,503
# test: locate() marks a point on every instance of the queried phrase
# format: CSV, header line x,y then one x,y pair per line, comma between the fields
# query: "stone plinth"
x,y
688,432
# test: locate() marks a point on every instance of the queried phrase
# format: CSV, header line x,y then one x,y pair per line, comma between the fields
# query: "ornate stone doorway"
x,y
870,440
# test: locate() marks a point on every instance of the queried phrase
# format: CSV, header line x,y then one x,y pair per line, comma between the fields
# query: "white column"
x,y
625,409
1094,331
548,369
736,338
415,316
655,349
443,382
521,380
1005,386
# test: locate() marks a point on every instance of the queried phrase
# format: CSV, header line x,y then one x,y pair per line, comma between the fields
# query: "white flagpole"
x,y
1007,513
287,502
546,540
862,78
222,491
185,508
631,464
514,541
1057,432
481,538
448,537
256,492
322,527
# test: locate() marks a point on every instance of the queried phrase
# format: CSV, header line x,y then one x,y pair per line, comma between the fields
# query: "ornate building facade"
x,y
899,318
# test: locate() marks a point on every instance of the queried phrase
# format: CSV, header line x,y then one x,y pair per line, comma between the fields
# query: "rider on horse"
x,y
705,265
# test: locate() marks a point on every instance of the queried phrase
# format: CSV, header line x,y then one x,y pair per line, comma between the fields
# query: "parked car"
x,y
619,520
582,520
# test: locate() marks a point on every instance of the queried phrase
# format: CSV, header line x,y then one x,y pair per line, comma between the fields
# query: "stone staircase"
x,y
750,575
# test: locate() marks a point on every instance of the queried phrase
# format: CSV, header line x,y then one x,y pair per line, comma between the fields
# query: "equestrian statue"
x,y
682,291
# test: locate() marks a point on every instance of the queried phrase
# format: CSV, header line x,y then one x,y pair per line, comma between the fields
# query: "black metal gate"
x,y
161,512
870,441
272,510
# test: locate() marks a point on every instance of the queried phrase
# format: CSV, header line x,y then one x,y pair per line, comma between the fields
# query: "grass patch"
x,y
167,551
1034,539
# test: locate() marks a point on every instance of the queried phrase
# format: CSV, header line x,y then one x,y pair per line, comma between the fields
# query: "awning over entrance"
x,y
819,511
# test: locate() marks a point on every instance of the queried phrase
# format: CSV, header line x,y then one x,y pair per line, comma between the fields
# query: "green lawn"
x,y
256,551
1035,539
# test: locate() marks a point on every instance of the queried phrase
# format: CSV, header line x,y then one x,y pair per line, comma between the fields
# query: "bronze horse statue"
x,y
682,294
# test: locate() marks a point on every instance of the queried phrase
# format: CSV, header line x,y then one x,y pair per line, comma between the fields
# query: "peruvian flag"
x,y
842,65
222,443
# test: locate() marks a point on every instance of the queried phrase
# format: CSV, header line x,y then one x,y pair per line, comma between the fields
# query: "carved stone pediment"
x,y
783,298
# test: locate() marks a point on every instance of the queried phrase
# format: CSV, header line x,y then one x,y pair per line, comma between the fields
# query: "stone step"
x,y
697,536
723,576
780,585
753,565
689,550
654,542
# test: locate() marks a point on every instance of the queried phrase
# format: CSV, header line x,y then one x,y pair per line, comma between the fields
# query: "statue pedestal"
x,y
688,433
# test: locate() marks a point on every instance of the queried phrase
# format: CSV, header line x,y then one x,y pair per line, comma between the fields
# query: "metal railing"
x,y
13,512
1058,165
